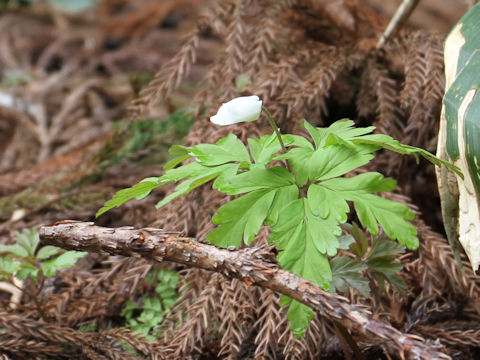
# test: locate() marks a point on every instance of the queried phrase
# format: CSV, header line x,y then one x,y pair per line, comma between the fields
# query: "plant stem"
x,y
275,128
398,20
277,132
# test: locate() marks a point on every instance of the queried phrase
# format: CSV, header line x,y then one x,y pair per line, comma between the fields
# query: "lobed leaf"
x,y
227,149
373,210
256,179
381,262
348,272
64,261
142,189
304,241
241,218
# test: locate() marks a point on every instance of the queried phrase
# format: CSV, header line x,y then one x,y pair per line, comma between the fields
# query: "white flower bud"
x,y
241,109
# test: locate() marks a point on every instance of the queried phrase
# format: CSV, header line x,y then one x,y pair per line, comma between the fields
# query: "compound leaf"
x,y
142,189
381,262
227,149
64,261
258,178
299,316
47,251
373,210
348,272
241,218
304,240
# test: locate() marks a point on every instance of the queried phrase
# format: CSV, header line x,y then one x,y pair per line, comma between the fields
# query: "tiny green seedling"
x,y
25,259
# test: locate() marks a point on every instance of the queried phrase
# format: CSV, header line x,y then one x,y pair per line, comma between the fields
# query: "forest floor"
x,y
69,140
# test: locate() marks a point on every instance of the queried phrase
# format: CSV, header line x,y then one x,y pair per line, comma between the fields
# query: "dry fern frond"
x,y
192,334
265,31
170,76
237,313
269,317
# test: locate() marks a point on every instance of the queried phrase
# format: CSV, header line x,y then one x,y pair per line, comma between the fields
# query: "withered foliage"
x,y
306,59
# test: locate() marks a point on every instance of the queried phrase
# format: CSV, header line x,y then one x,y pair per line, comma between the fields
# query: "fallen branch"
x,y
255,266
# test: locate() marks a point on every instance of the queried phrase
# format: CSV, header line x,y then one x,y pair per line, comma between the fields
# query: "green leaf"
x,y
303,241
314,133
175,161
264,149
241,218
227,149
348,272
387,142
179,153
296,140
458,137
299,160
340,132
283,197
360,246
47,251
29,239
64,261
344,133
328,162
337,160
372,209
198,177
299,316
257,179
26,270
14,249
142,189
381,262
8,267
326,203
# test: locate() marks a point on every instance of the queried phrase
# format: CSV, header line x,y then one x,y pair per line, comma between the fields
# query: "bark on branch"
x,y
255,266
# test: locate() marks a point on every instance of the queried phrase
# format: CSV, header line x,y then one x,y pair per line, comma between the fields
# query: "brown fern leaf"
x,y
192,335
232,59
390,117
95,295
456,335
295,349
177,69
435,84
170,77
23,348
137,342
415,69
310,98
237,314
265,31
366,99
272,83
269,317
237,39
193,282
91,344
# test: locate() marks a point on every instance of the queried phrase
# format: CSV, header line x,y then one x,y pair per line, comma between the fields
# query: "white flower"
x,y
241,109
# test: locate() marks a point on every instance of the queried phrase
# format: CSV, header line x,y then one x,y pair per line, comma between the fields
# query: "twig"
x,y
255,266
398,20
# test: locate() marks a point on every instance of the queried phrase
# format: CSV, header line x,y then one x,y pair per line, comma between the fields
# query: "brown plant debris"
x,y
251,265
67,144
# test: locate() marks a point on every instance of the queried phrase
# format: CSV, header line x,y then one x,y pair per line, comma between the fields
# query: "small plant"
x,y
25,259
304,202
145,317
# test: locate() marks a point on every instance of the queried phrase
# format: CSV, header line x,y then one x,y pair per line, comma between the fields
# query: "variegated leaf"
x,y
459,136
